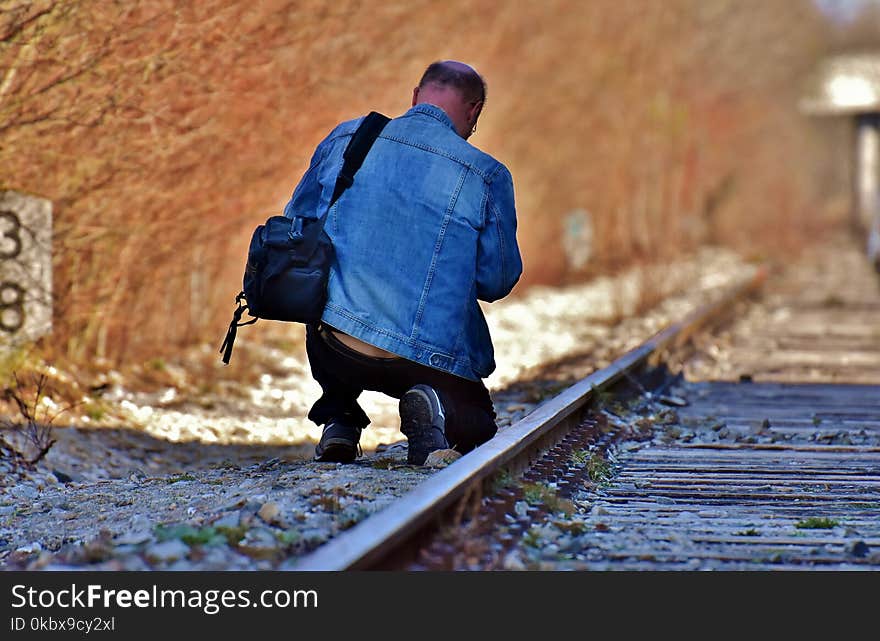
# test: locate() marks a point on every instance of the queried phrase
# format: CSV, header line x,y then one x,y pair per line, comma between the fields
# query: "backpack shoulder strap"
x,y
358,148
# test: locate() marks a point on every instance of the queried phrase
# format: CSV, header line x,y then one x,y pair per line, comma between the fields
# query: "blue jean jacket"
x,y
427,229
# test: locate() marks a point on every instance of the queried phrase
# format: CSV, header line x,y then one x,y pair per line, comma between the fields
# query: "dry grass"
x,y
27,439
164,132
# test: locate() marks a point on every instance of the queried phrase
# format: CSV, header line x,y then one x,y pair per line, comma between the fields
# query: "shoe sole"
x,y
337,450
415,411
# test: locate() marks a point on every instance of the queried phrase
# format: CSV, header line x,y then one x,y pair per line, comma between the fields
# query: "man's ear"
x,y
475,110
415,97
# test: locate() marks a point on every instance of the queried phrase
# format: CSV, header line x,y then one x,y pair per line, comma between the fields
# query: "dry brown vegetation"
x,y
164,131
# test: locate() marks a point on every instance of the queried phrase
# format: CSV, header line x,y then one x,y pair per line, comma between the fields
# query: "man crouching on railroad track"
x,y
427,229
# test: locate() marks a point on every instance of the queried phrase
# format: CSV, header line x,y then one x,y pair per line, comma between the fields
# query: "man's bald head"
x,y
450,73
457,89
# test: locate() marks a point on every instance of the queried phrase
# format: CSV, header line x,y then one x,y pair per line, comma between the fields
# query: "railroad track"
x,y
634,468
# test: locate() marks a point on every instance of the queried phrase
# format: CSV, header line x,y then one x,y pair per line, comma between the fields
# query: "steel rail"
x,y
372,540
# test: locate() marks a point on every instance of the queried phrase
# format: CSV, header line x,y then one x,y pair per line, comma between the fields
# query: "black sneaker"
x,y
423,421
338,444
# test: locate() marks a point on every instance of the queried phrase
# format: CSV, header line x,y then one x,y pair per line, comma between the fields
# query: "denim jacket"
x,y
427,229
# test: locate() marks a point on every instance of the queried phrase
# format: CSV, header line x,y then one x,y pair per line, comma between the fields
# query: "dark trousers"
x,y
344,373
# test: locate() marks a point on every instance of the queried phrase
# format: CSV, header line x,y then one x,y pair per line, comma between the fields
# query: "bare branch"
x,y
18,27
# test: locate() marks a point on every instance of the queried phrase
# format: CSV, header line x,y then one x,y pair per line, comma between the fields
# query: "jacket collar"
x,y
434,111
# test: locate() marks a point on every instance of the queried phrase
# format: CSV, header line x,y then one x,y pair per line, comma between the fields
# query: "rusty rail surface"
x,y
373,541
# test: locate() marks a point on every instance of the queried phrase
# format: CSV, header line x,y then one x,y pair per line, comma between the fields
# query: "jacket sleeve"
x,y
499,265
306,198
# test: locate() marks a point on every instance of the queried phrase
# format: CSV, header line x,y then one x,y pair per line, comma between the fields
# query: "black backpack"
x,y
288,263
